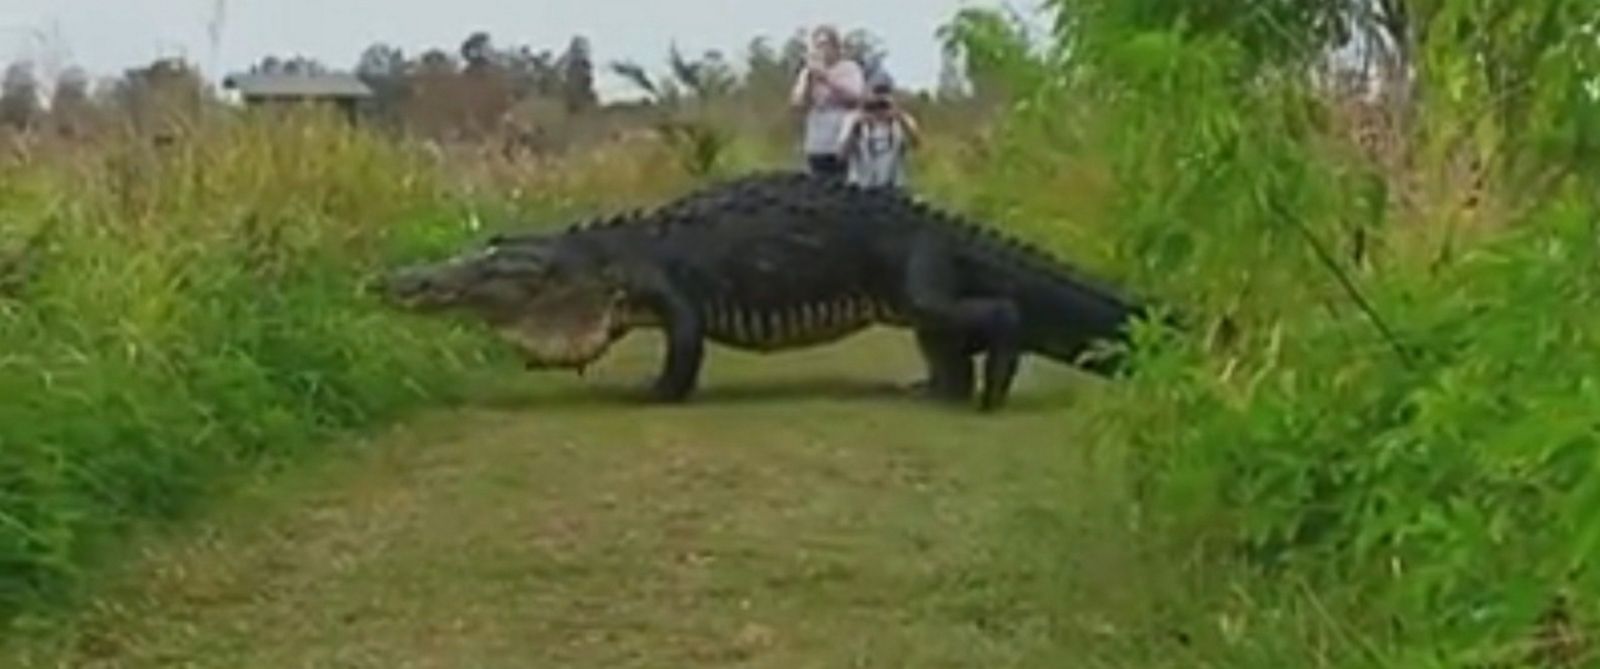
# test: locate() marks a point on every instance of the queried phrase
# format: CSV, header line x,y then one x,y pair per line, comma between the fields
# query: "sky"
x,y
106,37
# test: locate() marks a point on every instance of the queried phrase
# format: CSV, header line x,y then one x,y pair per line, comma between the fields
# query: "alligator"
x,y
776,261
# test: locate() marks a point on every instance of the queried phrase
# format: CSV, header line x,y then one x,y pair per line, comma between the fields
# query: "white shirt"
x,y
827,109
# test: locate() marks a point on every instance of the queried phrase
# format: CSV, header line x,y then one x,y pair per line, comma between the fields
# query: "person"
x,y
876,139
828,88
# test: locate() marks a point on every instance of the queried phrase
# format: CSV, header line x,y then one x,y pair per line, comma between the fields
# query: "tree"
x,y
431,105
866,48
70,107
795,50
639,77
577,76
991,52
19,96
708,77
478,51
436,62
532,74
383,68
72,89
483,92
767,72
380,62
157,95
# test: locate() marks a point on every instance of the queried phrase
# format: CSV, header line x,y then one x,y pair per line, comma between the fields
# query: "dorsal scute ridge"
x,y
1004,244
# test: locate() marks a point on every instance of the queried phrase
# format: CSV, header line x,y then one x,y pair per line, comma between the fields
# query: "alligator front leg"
x,y
960,326
685,348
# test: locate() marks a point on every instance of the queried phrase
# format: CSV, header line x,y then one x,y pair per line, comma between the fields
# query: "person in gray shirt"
x,y
828,88
877,138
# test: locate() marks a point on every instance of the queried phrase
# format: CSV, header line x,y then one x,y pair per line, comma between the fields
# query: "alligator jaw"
x,y
575,365
410,289
562,348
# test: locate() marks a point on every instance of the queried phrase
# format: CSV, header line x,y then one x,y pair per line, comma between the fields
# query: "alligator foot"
x,y
685,351
917,387
1000,371
667,393
927,389
935,389
652,393
950,373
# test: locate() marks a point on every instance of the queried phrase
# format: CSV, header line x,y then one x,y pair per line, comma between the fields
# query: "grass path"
x,y
798,514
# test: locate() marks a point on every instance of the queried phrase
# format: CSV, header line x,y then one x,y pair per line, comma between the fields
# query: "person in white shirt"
x,y
828,88
876,139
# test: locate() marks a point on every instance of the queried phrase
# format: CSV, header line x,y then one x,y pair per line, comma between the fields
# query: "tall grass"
x,y
1377,444
177,312
173,313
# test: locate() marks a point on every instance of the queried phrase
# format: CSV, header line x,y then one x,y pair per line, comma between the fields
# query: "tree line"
x,y
477,89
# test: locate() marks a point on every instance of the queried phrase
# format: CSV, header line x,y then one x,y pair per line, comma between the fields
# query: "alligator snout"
x,y
406,283
410,287
375,286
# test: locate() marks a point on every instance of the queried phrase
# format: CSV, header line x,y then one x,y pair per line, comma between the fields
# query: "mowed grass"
x,y
800,513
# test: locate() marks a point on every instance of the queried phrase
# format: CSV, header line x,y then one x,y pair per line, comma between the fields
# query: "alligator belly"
x,y
794,326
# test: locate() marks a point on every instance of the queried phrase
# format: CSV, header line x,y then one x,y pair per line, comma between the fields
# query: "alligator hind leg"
x,y
970,324
950,376
998,326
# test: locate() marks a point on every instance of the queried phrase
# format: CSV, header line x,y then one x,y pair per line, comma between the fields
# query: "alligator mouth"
x,y
427,303
414,290
554,324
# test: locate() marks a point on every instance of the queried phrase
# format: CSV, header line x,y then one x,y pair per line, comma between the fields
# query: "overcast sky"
x,y
107,36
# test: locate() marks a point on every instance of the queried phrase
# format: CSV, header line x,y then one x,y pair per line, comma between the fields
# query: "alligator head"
x,y
556,303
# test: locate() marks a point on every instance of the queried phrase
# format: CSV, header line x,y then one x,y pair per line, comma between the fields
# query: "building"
x,y
344,91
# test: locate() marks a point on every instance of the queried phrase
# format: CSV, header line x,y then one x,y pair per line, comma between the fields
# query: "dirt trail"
x,y
799,514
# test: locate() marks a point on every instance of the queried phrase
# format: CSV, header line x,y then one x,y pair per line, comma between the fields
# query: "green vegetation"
x,y
181,281
1374,447
174,312
1379,445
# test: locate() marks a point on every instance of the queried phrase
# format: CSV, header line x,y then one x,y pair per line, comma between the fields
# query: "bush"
x,y
177,312
1378,401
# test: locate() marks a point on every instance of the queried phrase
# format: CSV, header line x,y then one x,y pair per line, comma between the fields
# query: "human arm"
x,y
913,130
845,84
849,133
800,94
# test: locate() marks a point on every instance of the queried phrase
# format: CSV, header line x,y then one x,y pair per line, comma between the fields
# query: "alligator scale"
x,y
774,262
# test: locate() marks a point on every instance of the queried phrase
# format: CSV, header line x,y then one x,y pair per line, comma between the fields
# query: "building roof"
x,y
327,85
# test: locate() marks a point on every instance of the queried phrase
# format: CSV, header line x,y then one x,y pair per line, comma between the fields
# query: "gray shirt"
x,y
877,154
